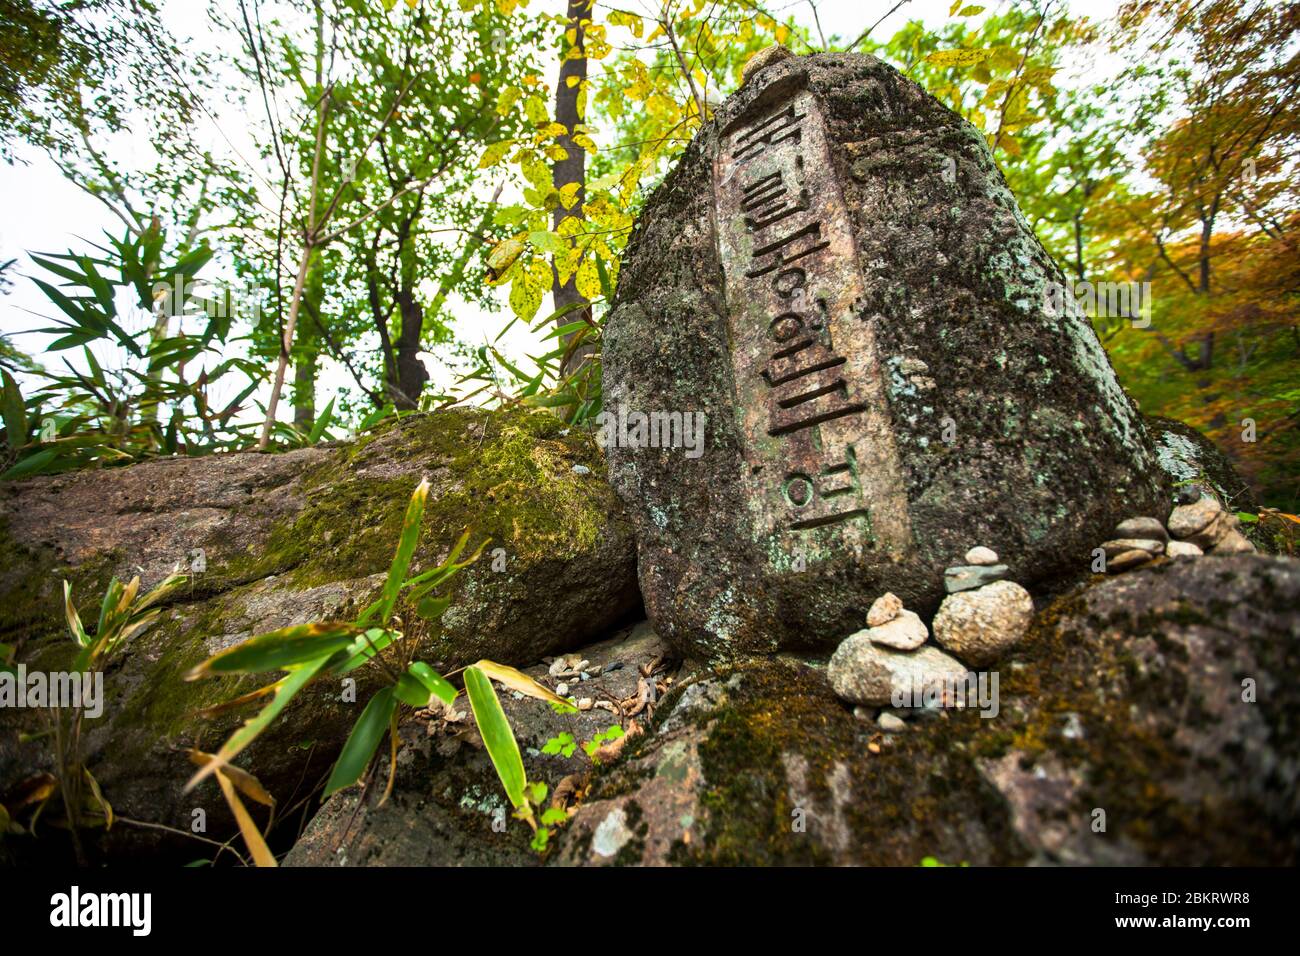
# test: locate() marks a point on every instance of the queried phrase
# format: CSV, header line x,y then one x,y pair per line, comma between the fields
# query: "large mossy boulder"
x,y
837,278
1148,719
290,538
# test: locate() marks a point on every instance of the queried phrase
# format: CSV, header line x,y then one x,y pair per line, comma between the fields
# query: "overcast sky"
x,y
46,213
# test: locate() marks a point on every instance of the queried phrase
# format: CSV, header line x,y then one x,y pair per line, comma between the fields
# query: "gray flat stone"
x,y
964,577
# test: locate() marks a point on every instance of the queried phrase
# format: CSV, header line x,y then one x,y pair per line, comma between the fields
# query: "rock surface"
x,y
981,626
1127,697
290,538
1191,459
774,538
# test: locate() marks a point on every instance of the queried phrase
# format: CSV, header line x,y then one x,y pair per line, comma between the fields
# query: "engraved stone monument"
x,y
837,277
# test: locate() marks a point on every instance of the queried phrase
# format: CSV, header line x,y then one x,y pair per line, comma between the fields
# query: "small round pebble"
x,y
891,724
981,555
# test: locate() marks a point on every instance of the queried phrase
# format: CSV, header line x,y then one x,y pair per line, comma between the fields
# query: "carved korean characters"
x,y
811,407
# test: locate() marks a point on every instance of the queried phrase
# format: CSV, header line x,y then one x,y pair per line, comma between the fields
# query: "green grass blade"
x,y
322,423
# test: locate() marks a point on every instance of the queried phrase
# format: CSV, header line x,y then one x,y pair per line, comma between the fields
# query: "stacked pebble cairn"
x,y
983,617
1199,527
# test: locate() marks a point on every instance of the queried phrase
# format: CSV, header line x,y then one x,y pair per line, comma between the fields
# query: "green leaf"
x,y
552,816
74,619
432,608
279,649
411,691
497,737
434,682
405,549
31,465
322,423
363,741
363,648
15,414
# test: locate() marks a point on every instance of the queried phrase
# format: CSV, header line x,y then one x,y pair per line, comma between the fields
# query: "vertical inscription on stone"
x,y
810,399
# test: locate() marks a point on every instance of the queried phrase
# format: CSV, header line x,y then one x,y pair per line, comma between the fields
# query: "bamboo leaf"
x,y
74,619
244,781
405,549
363,648
522,683
15,414
31,465
261,853
279,649
363,741
436,684
497,737
322,423
286,688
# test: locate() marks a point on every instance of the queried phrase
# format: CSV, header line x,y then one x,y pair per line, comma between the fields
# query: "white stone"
x,y
981,555
891,724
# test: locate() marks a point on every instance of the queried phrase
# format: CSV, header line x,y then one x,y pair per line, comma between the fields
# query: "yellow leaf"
x,y
503,256
588,279
261,853
527,290
946,58
536,172
244,781
509,96
495,153
520,682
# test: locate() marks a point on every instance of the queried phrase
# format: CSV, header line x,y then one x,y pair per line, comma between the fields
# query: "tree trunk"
x,y
411,373
573,168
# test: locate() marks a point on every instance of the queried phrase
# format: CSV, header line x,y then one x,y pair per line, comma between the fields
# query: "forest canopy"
x,y
326,213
